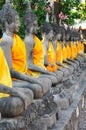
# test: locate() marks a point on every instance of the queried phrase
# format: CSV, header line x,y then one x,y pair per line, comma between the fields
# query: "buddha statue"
x,y
15,52
58,50
49,53
35,54
12,101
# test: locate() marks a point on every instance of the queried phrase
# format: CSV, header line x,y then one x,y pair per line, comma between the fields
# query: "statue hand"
x,y
51,64
39,82
50,73
23,94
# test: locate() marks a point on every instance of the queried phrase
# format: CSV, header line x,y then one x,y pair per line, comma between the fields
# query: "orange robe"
x,y
68,51
72,50
52,58
5,77
59,56
78,47
75,50
64,53
19,55
82,47
38,57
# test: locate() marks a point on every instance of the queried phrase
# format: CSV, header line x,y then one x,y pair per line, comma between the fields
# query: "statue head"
x,y
47,31
63,33
30,21
56,31
68,33
9,18
73,34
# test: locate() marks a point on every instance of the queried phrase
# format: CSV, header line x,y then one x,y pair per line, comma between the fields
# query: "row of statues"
x,y
30,67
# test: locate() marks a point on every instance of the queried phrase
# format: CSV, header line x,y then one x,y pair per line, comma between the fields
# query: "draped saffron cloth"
x,y
64,53
19,55
81,45
5,77
52,58
75,50
38,57
59,57
72,50
68,51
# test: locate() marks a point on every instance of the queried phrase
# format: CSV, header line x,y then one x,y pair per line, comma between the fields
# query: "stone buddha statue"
x,y
15,52
58,49
49,53
35,53
12,101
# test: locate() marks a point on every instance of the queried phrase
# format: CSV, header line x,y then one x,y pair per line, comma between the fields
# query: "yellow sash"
x,y
78,46
38,57
5,78
75,50
72,51
59,57
81,48
64,53
68,51
52,58
19,55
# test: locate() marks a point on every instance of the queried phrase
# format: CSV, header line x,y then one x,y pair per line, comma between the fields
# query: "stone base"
x,y
61,102
45,114
70,117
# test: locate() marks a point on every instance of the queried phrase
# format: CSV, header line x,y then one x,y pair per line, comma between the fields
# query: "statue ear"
x,y
6,24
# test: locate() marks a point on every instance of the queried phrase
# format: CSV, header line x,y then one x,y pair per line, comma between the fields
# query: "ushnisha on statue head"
x,y
30,20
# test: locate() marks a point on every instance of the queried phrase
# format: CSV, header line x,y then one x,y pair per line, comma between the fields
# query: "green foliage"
x,y
20,6
1,3
82,11
69,7
72,8
38,7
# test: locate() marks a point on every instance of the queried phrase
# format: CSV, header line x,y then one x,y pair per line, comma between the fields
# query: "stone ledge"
x,y
37,109
30,117
64,122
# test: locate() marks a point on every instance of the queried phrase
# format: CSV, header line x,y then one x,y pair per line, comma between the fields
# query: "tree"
x,y
74,9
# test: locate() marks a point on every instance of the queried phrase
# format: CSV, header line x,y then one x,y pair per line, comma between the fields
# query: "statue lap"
x,y
36,89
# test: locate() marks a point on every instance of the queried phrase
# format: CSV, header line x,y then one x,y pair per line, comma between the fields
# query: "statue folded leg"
x,y
14,101
11,106
36,89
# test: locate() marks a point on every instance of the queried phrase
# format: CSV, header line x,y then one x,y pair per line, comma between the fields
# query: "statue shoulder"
x,y
29,40
6,39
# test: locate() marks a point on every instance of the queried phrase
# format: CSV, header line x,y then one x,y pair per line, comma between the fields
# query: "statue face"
x,y
49,36
32,27
58,37
14,26
67,36
17,23
64,37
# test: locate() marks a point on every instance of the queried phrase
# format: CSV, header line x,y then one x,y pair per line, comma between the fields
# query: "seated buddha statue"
x,y
12,101
15,52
